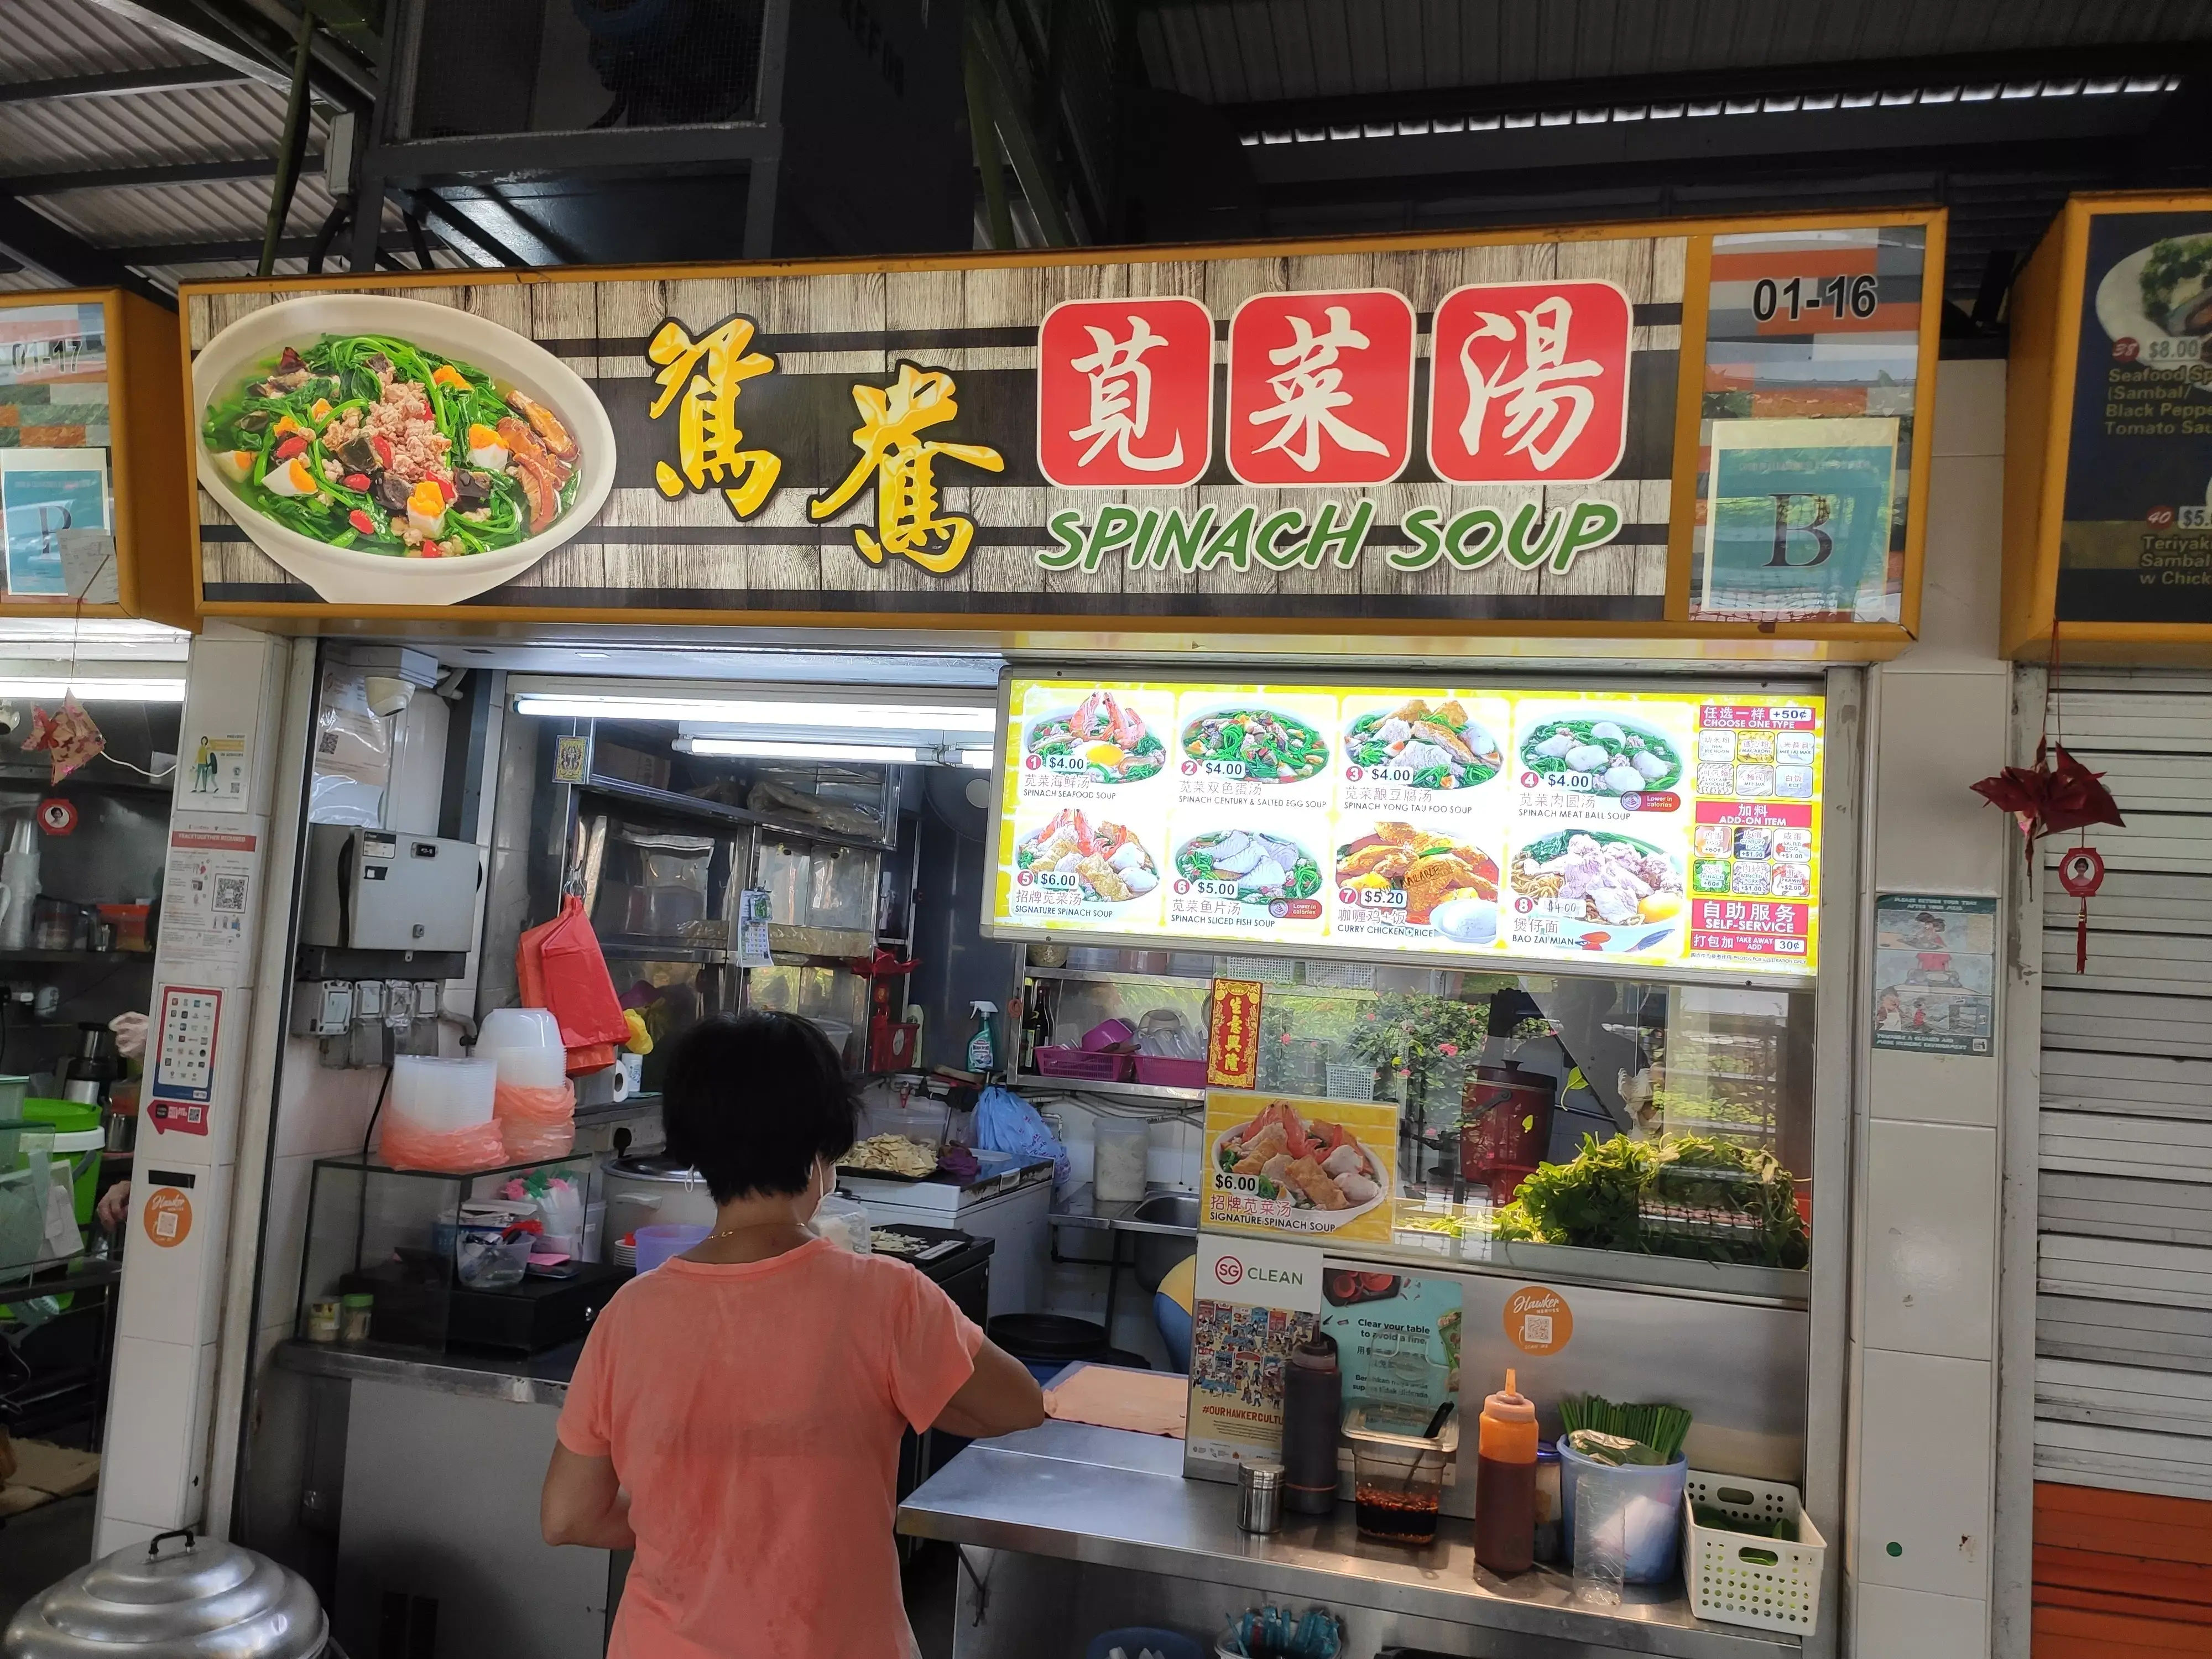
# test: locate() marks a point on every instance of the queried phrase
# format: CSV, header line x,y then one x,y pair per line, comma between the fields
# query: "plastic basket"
x,y
1094,1063
1735,1578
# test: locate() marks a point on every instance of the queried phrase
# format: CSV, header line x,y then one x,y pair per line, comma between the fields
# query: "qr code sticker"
x,y
230,894
1536,1330
327,743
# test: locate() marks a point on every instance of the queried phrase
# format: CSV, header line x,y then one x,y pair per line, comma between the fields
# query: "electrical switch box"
x,y
378,889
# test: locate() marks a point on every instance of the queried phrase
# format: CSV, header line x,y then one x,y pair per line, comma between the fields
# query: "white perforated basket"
x,y
1736,1578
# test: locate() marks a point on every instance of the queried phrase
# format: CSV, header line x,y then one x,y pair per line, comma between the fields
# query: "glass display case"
x,y
444,1258
1626,1129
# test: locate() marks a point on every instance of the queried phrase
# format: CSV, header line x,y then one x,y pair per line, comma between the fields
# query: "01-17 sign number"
x,y
1856,296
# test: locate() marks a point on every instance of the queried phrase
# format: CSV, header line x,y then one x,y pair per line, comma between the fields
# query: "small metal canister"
x,y
1259,1497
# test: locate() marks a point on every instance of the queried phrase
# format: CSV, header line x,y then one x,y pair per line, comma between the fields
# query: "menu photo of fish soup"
x,y
1441,754
1397,880
1079,868
1256,747
1603,758
1238,874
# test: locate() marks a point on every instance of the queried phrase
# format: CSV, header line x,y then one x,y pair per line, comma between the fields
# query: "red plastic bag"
x,y
559,967
536,1122
406,1144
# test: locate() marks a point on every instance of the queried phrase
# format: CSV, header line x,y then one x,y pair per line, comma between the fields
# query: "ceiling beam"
x,y
36,243
1687,145
168,172
123,83
1777,82
161,255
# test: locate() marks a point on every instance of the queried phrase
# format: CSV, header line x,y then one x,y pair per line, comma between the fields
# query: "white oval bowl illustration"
x,y
344,575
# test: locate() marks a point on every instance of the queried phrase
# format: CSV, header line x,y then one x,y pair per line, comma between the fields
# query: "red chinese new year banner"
x,y
1232,1049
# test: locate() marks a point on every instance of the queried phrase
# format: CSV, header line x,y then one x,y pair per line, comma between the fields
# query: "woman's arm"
x,y
1000,1397
583,1502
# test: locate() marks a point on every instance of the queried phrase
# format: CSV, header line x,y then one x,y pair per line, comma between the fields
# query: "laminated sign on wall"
x,y
1253,1303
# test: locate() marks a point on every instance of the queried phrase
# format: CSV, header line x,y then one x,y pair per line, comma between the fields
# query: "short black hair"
x,y
751,1100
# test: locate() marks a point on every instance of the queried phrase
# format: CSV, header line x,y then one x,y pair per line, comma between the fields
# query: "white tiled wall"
x,y
1921,1464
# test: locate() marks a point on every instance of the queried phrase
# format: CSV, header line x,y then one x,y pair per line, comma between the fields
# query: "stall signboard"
x,y
1441,433
1318,1170
1476,824
93,494
2108,515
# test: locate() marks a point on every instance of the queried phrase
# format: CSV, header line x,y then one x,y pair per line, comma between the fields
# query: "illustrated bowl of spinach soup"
x,y
1267,745
387,450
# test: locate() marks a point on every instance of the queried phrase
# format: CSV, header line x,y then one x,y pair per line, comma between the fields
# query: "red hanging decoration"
x,y
2081,873
69,733
2047,798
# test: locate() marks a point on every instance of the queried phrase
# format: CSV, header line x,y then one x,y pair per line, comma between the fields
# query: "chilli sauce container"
x,y
1398,1472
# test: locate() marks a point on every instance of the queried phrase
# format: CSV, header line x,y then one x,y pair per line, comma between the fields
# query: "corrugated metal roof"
x,y
46,39
196,124
1239,51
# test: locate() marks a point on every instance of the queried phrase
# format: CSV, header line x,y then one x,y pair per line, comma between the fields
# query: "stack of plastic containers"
x,y
535,1103
441,1115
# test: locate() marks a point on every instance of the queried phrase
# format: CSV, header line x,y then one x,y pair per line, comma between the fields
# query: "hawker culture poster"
x,y
1253,1303
2136,544
1475,823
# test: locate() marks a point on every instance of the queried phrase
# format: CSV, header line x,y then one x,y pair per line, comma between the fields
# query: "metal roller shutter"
x,y
2124,1303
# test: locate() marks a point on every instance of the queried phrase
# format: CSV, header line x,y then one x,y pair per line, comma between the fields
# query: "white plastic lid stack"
x,y
443,1095
525,1043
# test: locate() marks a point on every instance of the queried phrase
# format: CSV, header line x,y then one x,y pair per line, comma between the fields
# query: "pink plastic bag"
x,y
536,1122
406,1144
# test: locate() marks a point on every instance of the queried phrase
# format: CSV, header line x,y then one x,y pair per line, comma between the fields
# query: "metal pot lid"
x,y
653,1167
178,1597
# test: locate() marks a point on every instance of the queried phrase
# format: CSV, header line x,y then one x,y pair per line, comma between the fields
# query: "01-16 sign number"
x,y
1855,296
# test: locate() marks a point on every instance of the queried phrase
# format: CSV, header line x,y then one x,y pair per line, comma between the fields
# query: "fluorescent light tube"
x,y
96,690
754,711
768,748
977,760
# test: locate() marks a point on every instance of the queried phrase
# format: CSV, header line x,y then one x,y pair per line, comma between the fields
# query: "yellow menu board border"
x,y
1715,890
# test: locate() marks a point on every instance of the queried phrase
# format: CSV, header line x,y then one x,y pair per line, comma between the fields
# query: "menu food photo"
x,y
1648,829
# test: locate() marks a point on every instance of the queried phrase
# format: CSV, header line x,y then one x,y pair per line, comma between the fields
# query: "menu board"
x,y
1473,824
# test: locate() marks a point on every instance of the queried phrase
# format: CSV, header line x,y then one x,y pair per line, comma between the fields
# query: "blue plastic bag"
x,y
1005,1123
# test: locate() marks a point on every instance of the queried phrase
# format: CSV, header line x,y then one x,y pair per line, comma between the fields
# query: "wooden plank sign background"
x,y
1039,551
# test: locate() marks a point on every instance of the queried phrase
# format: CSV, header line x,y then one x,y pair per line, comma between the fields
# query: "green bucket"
x,y
77,1139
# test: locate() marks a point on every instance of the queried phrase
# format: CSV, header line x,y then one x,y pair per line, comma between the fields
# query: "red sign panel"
x,y
1529,383
1321,388
1125,393
1749,927
1232,1047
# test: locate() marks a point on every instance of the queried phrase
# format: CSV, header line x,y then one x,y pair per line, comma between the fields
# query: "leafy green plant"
x,y
1681,1195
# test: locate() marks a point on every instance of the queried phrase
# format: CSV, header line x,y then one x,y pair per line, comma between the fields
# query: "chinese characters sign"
x,y
1232,1050
1530,383
1472,824
1125,393
1438,435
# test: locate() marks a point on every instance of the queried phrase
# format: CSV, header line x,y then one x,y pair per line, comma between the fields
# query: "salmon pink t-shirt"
x,y
753,1413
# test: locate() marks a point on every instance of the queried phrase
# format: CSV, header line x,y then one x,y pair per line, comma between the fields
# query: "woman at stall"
x,y
736,1415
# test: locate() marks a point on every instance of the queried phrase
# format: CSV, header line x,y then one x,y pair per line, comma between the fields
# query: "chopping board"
x,y
1116,1397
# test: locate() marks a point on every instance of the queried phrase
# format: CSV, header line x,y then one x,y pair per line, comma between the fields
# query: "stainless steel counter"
x,y
540,1380
1110,1499
1083,1210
